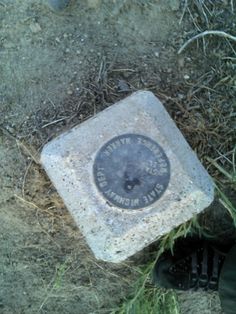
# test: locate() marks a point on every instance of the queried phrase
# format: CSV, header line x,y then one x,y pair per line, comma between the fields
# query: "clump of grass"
x,y
229,179
225,201
147,298
55,284
153,301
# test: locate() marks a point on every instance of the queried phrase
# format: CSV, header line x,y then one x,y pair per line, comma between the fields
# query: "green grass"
x,y
148,299
229,180
152,301
55,284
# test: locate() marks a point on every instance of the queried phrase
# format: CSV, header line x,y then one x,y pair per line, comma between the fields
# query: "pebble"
x,y
35,27
123,86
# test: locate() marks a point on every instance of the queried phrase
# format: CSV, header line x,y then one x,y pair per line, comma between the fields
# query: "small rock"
x,y
35,27
180,96
123,86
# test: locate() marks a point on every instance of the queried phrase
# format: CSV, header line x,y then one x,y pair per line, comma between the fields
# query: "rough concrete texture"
x,y
115,233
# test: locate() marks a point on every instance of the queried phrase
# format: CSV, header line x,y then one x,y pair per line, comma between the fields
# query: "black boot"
x,y
227,283
199,266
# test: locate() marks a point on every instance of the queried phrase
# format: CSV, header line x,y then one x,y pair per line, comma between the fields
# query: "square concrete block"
x,y
127,176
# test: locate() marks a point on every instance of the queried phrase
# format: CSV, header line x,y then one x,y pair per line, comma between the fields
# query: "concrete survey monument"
x,y
127,176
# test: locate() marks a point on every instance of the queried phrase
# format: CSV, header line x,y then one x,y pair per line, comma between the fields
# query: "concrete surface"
x,y
112,232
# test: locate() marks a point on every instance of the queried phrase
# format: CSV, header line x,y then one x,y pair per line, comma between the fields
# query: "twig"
x,y
37,209
26,202
224,156
32,155
193,20
24,178
228,175
201,35
229,58
48,293
102,70
31,204
123,70
232,5
54,122
181,108
105,270
184,10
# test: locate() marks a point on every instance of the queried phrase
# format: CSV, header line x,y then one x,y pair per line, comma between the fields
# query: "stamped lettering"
x,y
131,171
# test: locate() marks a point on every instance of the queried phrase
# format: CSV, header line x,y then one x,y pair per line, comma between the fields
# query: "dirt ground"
x,y
57,70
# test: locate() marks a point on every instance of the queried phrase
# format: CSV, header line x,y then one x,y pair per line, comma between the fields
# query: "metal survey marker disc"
x,y
131,171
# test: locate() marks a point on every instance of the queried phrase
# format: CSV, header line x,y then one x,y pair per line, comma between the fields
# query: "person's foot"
x,y
198,267
227,283
58,5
